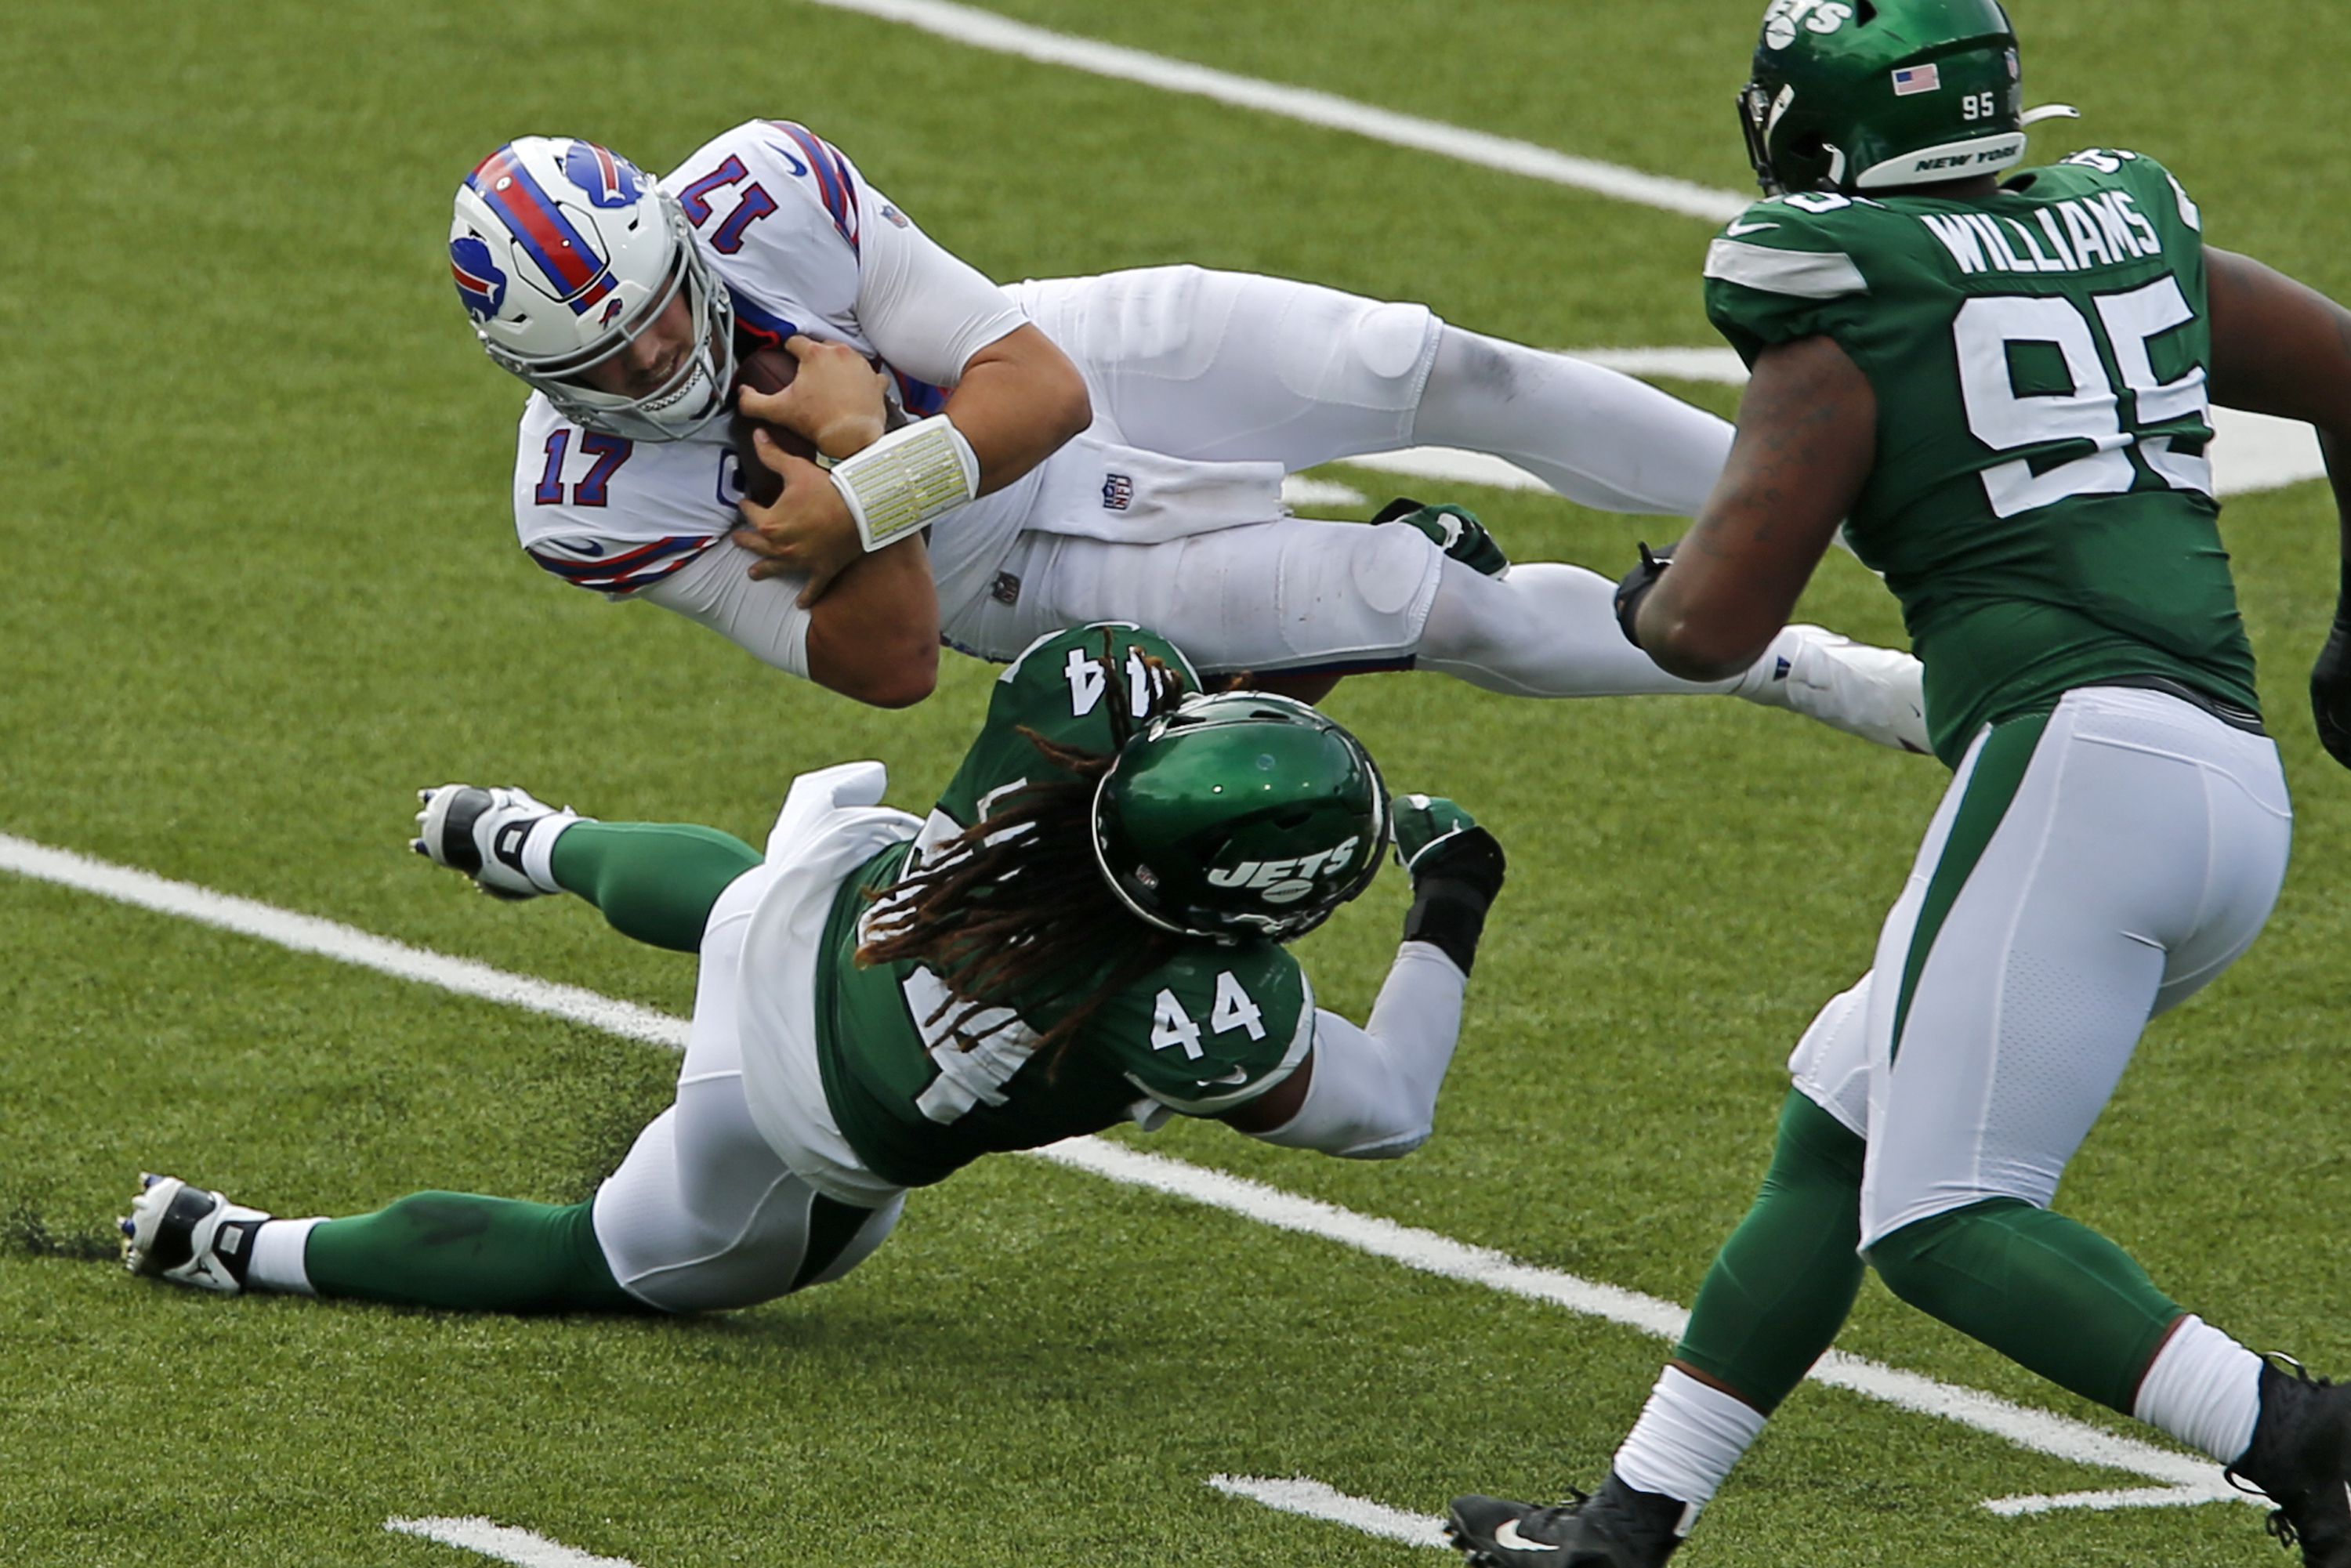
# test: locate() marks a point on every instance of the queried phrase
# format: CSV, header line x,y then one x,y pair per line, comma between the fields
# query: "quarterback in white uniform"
x,y
1066,450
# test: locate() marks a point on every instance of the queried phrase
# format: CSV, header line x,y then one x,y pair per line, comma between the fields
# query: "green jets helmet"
x,y
1865,95
1239,814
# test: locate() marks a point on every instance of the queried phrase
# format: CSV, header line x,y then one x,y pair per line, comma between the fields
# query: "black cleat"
x,y
1615,1527
2301,1457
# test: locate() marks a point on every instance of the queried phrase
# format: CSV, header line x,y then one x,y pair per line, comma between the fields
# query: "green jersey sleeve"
x,y
1060,689
1786,268
1212,1029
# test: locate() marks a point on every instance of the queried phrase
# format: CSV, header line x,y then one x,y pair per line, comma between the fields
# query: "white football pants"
x,y
2069,887
1222,366
702,1216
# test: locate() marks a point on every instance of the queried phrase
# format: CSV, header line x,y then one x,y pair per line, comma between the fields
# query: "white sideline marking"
x,y
504,1542
1424,1250
1302,1495
1001,34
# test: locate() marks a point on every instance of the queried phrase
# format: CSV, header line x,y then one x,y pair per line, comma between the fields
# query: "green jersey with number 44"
x,y
1214,1026
2041,500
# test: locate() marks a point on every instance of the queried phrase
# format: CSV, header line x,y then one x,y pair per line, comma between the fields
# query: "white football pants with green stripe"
x,y
2085,872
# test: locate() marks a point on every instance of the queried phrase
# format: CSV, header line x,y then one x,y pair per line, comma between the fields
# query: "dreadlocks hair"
x,y
1015,906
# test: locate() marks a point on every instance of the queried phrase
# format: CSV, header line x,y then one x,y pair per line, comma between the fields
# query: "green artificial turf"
x,y
263,584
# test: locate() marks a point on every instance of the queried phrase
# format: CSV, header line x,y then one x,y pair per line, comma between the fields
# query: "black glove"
x,y
1634,585
2330,692
1457,869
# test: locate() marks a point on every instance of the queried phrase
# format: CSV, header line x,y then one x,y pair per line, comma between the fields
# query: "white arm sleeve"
x,y
1374,1092
765,618
925,311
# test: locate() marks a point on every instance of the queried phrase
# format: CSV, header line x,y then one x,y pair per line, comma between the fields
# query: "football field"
x,y
257,488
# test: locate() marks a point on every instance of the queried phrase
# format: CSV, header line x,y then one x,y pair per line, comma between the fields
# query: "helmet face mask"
x,y
1240,815
1882,95
565,255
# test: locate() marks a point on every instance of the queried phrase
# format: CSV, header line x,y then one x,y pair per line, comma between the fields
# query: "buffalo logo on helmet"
x,y
609,180
1286,880
481,287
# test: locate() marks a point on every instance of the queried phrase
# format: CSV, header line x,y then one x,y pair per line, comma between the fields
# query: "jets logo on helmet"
x,y
609,180
1239,814
1287,880
565,255
1820,16
481,287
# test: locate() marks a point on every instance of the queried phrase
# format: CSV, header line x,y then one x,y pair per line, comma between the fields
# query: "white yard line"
x,y
1423,1250
344,943
504,1542
1431,1253
986,30
1314,1500
1301,494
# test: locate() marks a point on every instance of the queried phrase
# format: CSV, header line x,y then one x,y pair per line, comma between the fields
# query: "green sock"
x,y
2048,1292
654,880
471,1254
1783,1285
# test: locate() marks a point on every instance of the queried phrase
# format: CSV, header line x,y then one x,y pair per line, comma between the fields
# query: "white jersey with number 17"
x,y
803,245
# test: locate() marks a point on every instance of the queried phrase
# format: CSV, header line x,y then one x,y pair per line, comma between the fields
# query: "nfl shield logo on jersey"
x,y
1118,492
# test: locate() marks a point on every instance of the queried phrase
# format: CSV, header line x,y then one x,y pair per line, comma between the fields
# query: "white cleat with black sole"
x,y
500,837
190,1237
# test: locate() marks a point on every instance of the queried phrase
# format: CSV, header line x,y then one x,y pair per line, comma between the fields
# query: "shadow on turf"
x,y
26,1232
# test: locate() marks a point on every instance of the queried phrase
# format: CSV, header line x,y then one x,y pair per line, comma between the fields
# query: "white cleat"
x,y
1874,693
188,1236
485,834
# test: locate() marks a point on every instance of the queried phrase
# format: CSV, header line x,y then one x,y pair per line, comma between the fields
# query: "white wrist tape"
x,y
911,476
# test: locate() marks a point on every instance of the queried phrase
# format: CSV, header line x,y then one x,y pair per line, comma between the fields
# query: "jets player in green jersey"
x,y
2000,387
1089,928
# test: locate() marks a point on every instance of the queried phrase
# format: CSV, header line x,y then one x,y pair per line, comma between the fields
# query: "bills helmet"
x,y
564,254
1239,814
1864,95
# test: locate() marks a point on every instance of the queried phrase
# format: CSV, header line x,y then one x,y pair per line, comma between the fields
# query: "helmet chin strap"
x,y
2048,112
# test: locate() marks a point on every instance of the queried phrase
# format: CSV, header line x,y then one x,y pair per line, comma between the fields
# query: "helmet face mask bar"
x,y
566,255
1754,115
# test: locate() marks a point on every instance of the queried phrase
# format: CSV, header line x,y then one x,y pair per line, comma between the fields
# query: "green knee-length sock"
x,y
2046,1291
1783,1285
471,1254
654,880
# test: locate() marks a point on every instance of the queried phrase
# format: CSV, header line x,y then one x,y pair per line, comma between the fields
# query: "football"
x,y
767,371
